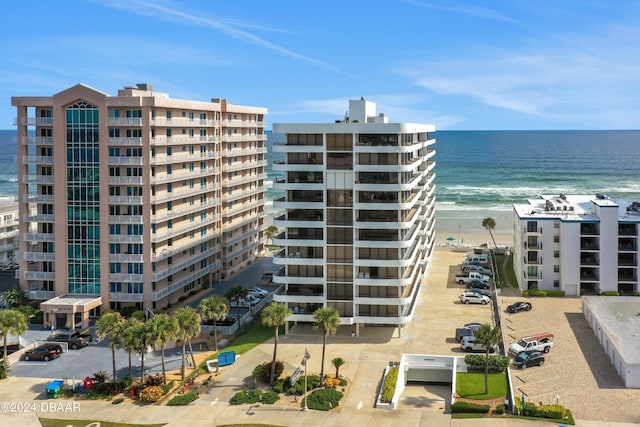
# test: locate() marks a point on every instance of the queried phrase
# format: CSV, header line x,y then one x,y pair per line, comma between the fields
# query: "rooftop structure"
x,y
358,227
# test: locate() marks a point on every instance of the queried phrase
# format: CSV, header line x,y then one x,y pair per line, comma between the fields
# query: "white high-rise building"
x,y
581,244
137,200
359,217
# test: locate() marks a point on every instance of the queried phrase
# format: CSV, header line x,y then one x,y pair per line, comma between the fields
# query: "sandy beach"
x,y
444,239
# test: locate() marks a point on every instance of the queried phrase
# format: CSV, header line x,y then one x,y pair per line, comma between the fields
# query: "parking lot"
x,y
576,373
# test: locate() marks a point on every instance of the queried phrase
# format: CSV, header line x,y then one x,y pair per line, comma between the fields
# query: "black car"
x,y
519,306
477,284
529,358
44,352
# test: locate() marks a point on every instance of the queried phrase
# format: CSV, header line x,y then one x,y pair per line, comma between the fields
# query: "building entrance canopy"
x,y
60,312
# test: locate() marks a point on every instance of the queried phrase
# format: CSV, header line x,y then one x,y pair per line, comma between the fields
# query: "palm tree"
x,y
12,322
337,362
129,340
327,319
271,232
214,308
275,315
162,329
109,325
188,327
16,297
236,293
489,337
490,223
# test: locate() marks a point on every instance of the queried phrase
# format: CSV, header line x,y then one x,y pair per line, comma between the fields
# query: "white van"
x,y
477,258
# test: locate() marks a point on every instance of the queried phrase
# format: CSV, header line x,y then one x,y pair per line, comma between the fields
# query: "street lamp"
x,y
306,357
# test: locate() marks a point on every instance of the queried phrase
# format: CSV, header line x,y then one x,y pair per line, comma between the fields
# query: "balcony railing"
x,y
37,140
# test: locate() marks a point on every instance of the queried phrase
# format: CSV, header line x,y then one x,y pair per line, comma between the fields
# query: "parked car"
x,y
469,344
44,352
267,276
478,284
257,292
519,306
472,325
477,268
74,339
526,359
480,292
467,330
474,298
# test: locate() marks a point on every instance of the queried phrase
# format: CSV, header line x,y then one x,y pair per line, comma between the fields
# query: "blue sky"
x,y
510,64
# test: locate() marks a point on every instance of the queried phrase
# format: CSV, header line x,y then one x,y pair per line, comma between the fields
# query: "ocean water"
x,y
483,173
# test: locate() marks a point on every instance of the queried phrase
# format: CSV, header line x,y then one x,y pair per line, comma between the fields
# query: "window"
x,y
556,283
556,254
556,239
556,269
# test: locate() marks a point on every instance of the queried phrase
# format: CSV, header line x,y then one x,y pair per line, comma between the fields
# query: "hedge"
x,y
610,293
183,399
469,408
476,362
254,396
538,293
389,385
555,412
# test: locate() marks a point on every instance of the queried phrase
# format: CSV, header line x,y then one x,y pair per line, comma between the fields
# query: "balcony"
x,y
125,277
125,219
37,140
589,259
33,160
36,121
39,275
589,244
589,229
39,256
136,142
125,160
40,295
532,260
125,297
126,238
125,121
626,244
37,179
39,237
125,180
137,258
125,200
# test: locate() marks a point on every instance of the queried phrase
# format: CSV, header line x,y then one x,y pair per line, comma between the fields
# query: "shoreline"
x,y
471,239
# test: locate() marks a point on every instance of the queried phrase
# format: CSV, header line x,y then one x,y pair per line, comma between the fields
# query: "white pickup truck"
x,y
472,275
539,342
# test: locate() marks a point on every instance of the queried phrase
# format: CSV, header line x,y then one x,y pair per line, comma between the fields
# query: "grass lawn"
x,y
50,422
471,385
505,263
254,334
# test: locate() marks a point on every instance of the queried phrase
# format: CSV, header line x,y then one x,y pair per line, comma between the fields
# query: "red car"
x,y
44,352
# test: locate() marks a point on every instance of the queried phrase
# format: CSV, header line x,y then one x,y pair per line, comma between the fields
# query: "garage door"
x,y
571,290
430,375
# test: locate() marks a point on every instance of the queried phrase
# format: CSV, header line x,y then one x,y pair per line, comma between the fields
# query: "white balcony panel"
x,y
300,299
39,256
382,301
40,295
298,186
39,237
124,238
298,280
298,224
298,261
382,244
297,242
298,205
126,258
125,141
37,140
124,277
282,167
125,160
125,297
39,275
382,263
125,219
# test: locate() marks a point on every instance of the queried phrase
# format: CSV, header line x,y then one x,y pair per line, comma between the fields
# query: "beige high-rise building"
x,y
139,199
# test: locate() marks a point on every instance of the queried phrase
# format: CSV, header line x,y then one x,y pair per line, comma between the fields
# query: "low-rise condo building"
x,y
8,234
138,199
581,244
358,227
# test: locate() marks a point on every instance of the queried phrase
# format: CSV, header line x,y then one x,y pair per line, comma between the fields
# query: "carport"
x,y
427,369
69,311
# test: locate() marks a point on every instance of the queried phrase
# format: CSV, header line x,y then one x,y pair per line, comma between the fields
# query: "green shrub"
x,y
254,396
500,409
555,412
610,293
541,294
279,385
246,396
266,371
469,408
118,400
555,293
313,381
3,370
497,363
183,399
168,387
533,291
156,380
323,399
343,382
389,385
270,397
525,293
